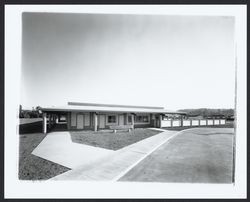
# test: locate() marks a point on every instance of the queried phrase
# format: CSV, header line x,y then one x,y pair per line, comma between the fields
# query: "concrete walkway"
x,y
114,166
59,148
158,129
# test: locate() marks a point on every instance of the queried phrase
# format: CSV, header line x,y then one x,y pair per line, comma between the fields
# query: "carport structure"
x,y
92,116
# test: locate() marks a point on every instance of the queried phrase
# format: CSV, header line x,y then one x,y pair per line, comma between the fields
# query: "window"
x,y
145,118
141,119
111,119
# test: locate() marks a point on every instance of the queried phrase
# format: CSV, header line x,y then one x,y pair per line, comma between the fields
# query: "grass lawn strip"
x,y
32,167
110,140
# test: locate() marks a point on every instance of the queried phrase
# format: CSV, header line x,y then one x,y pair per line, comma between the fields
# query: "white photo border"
x,y
15,188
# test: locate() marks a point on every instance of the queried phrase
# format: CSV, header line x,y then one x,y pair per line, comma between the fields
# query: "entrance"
x,y
101,121
121,120
79,124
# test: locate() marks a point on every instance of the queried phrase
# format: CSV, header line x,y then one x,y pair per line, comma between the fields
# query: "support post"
x,y
49,121
95,122
68,119
133,120
181,121
160,119
44,123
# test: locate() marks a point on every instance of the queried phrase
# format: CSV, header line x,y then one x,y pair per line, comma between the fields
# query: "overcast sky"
x,y
171,61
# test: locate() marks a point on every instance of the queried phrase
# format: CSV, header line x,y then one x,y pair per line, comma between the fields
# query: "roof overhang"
x,y
106,110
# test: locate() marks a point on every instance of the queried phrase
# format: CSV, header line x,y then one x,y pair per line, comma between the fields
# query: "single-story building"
x,y
92,116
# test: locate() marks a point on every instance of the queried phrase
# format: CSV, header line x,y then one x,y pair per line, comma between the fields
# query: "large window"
x,y
111,119
141,119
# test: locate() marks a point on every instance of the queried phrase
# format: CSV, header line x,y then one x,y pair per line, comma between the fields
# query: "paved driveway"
x,y
202,155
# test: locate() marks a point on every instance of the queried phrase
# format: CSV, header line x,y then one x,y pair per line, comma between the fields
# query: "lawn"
x,y
199,155
32,167
111,140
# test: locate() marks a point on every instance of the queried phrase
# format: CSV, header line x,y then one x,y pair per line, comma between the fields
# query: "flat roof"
x,y
113,109
112,105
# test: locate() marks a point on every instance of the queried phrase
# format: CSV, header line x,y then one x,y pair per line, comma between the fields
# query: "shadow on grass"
x,y
35,127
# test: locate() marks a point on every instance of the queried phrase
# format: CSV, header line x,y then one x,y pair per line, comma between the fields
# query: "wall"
x,y
192,122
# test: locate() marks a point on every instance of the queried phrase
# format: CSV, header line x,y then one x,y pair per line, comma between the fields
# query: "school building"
x,y
92,116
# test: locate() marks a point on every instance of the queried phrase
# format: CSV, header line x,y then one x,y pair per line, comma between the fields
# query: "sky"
x,y
176,62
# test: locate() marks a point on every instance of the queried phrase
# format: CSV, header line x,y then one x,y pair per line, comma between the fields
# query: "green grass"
x,y
110,140
32,167
199,155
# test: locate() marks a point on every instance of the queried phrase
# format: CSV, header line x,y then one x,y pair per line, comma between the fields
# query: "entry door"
x,y
121,120
79,124
101,121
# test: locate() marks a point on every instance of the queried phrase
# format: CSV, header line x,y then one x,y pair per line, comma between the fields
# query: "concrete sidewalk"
x,y
116,165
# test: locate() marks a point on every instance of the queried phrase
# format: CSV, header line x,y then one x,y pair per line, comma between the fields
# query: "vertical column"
x,y
68,120
181,121
152,120
199,122
49,121
44,123
133,120
213,120
95,122
160,119
57,118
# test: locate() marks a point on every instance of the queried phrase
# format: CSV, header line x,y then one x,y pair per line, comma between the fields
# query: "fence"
x,y
193,122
